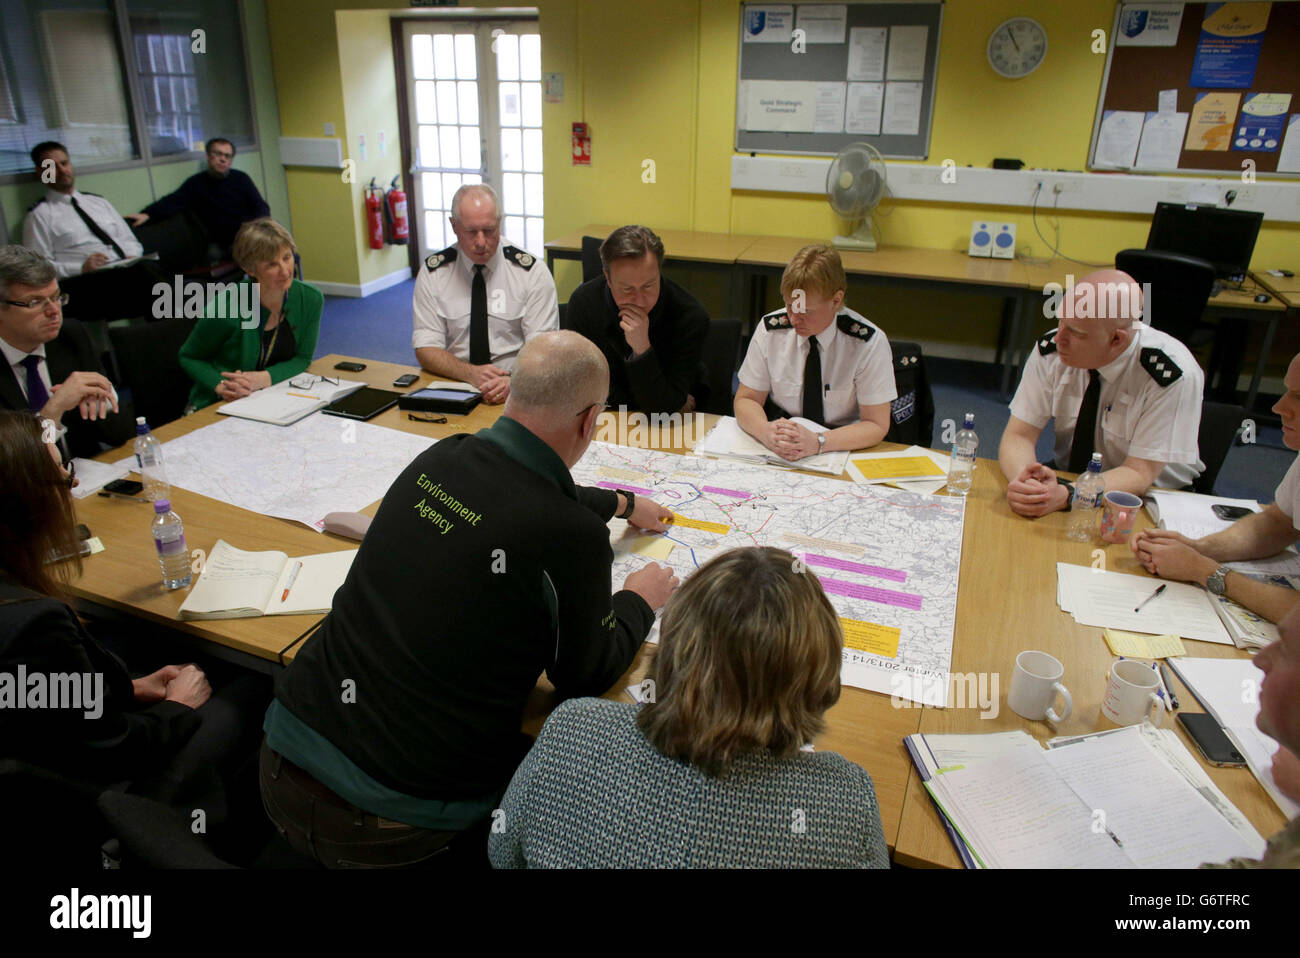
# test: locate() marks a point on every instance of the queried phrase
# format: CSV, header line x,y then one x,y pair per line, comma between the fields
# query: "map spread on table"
x,y
887,560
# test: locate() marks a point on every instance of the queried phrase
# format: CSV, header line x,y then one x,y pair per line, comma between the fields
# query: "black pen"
x,y
1152,596
1169,686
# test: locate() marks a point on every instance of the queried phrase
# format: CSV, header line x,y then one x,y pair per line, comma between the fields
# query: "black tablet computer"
x,y
440,400
366,403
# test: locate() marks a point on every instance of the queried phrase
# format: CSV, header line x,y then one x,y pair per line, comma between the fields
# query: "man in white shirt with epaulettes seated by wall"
x,y
1138,387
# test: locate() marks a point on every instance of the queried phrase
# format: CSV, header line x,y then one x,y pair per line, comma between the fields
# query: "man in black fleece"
x,y
484,566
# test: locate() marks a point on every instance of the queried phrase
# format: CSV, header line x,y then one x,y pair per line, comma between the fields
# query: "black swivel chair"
x,y
721,356
1180,288
1219,425
145,359
911,415
591,265
182,245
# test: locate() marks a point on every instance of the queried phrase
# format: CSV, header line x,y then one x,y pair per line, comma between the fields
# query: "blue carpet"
x,y
379,327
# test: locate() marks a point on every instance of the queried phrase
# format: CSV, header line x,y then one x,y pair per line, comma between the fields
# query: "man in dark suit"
x,y
50,366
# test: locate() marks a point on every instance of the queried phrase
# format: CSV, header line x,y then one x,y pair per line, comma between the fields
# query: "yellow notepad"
x,y
896,467
1134,645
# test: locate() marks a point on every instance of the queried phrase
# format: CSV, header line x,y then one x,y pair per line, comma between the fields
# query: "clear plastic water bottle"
x,y
1088,490
149,462
963,457
169,539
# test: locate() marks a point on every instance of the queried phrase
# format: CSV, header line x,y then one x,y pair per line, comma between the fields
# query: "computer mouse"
x,y
1263,298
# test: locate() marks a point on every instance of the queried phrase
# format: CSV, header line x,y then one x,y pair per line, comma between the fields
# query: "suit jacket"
x,y
71,351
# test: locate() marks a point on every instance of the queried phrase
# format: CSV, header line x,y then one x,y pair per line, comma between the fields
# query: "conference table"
x,y
1006,603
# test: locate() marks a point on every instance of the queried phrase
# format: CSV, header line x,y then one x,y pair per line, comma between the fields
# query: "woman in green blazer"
x,y
226,355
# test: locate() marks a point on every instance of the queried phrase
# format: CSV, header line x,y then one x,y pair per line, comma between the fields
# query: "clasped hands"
x,y
91,393
1172,555
238,384
1035,492
493,382
789,440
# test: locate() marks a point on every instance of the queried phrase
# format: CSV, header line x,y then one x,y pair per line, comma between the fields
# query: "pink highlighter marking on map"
x,y
606,484
905,600
733,493
844,565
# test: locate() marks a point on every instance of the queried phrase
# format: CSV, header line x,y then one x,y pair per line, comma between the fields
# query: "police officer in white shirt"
x,y
478,302
1259,535
818,360
1113,385
83,235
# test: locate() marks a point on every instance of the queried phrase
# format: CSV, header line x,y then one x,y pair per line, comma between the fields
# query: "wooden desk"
x,y
911,267
1285,288
1228,304
1007,605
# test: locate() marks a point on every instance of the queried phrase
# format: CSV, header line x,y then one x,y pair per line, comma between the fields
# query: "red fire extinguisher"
x,y
374,215
395,208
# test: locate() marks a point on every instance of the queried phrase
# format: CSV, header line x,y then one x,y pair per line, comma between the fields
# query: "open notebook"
x,y
727,440
286,402
237,585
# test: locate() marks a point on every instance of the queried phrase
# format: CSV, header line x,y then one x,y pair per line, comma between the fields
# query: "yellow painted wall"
x,y
658,81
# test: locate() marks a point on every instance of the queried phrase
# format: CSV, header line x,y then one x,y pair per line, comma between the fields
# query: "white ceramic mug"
x,y
1131,694
1034,685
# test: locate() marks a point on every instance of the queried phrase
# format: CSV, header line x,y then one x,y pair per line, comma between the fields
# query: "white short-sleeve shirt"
x,y
54,229
1288,493
857,365
1150,405
521,302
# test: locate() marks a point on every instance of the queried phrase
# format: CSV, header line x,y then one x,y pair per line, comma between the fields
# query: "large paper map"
x,y
887,560
303,472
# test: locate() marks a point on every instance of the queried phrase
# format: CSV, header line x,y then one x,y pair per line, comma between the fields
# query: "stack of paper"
x,y
1246,629
1131,798
1110,600
1228,689
93,476
915,469
285,403
727,440
1193,516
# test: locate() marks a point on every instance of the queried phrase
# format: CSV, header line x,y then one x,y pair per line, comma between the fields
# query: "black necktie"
x,y
1085,427
37,395
97,229
812,383
479,354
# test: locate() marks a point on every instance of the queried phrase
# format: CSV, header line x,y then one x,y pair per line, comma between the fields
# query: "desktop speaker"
x,y
997,240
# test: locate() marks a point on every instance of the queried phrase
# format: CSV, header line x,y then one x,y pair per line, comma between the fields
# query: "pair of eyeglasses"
x,y
583,411
414,418
307,382
221,156
60,300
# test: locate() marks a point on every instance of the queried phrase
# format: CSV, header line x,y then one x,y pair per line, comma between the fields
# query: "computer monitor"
x,y
1224,237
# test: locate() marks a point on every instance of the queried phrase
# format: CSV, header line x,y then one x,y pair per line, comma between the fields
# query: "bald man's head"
x,y
557,374
1096,319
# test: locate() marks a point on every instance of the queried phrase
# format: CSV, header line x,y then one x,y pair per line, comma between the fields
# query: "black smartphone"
x,y
1230,513
127,488
350,367
401,382
1210,739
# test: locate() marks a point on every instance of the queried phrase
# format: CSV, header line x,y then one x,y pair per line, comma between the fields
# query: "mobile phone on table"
x,y
350,367
1209,738
1230,513
401,382
126,488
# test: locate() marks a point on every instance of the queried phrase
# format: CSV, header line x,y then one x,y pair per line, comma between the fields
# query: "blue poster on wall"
x,y
1228,50
1262,120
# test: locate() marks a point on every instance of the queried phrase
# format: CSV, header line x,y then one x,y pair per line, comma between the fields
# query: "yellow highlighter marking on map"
x,y
896,467
685,523
870,637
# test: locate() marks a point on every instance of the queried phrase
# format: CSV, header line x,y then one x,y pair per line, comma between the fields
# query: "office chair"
x,y
1219,425
591,265
143,359
721,357
1180,289
182,243
911,415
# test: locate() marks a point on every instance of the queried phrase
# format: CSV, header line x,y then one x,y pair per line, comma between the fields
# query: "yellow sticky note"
x,y
870,637
685,523
897,467
656,547
1135,645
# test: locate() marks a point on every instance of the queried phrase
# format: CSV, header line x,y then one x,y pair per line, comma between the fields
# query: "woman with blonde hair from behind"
x,y
715,770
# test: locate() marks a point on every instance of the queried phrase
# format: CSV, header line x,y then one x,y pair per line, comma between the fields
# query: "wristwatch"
x,y
1069,491
1216,582
821,441
631,503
